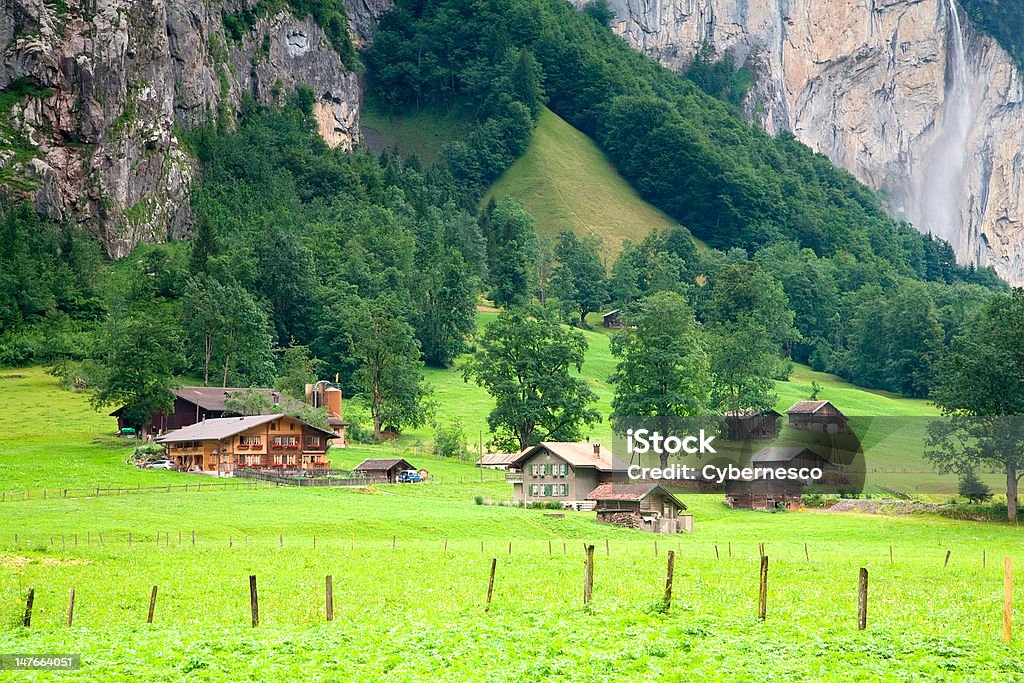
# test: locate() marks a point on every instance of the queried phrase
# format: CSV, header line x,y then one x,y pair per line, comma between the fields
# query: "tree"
x,y
600,11
748,319
816,389
135,364
525,362
390,372
663,369
579,280
512,248
972,488
298,368
979,386
447,309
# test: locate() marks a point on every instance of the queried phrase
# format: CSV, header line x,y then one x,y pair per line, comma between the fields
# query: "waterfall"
x,y
935,204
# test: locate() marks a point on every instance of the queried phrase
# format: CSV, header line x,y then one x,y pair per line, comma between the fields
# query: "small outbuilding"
x,y
817,416
611,319
496,461
384,468
752,425
641,505
766,493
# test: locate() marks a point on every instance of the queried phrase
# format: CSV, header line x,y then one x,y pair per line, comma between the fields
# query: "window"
x,y
250,440
565,489
313,441
533,490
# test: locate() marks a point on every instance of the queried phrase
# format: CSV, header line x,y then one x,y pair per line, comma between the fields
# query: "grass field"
x,y
567,183
410,565
420,133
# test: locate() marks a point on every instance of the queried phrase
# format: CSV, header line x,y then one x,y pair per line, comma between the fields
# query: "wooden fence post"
x,y
607,550
655,548
28,607
254,602
946,563
807,554
890,554
588,575
762,593
1007,600
152,606
862,600
510,547
280,539
668,580
71,608
730,550
490,584
549,547
394,542
717,556
329,590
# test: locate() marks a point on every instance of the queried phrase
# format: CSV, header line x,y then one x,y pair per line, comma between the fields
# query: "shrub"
x,y
478,499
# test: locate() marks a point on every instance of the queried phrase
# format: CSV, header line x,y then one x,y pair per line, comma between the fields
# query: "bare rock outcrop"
x,y
111,84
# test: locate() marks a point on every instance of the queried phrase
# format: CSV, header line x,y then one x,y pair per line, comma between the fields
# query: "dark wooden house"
x,y
611,319
641,505
752,425
771,494
817,416
385,468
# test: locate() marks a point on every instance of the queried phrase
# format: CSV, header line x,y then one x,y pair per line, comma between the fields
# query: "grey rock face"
x,y
123,76
866,82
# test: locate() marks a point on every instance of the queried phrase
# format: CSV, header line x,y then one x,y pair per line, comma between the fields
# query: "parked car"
x,y
409,477
162,465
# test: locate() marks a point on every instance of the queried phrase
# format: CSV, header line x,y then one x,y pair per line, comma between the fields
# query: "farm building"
x,y
611,319
752,425
195,404
769,494
224,444
496,461
563,471
817,416
385,468
647,506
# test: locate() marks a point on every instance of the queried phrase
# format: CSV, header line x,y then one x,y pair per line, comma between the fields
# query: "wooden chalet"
x,y
752,425
384,468
641,505
817,416
225,444
563,471
769,494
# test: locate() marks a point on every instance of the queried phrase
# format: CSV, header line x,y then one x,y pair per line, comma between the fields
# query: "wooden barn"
x,y
385,468
647,506
817,416
612,320
775,494
496,461
752,425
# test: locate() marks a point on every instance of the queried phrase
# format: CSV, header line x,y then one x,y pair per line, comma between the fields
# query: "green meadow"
x,y
410,567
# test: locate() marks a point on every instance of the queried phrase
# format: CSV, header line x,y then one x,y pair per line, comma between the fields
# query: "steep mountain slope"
x,y
566,182
108,83
904,94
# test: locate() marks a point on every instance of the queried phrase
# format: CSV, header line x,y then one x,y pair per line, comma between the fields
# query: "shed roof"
x,y
809,407
497,458
745,413
577,454
631,492
784,454
382,464
223,427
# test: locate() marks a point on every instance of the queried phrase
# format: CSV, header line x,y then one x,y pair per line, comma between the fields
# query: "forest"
x,y
307,260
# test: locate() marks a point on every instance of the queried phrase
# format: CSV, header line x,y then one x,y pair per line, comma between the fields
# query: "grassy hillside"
x,y
566,182
410,566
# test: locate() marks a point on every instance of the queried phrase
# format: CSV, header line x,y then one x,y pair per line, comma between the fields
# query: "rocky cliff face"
x,y
913,103
111,81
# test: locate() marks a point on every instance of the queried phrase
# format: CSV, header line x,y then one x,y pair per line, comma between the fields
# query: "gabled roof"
x,y
376,464
212,399
577,454
497,458
750,412
632,492
784,454
223,427
809,407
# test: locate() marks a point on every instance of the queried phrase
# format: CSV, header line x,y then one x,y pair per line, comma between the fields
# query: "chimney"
x,y
597,451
